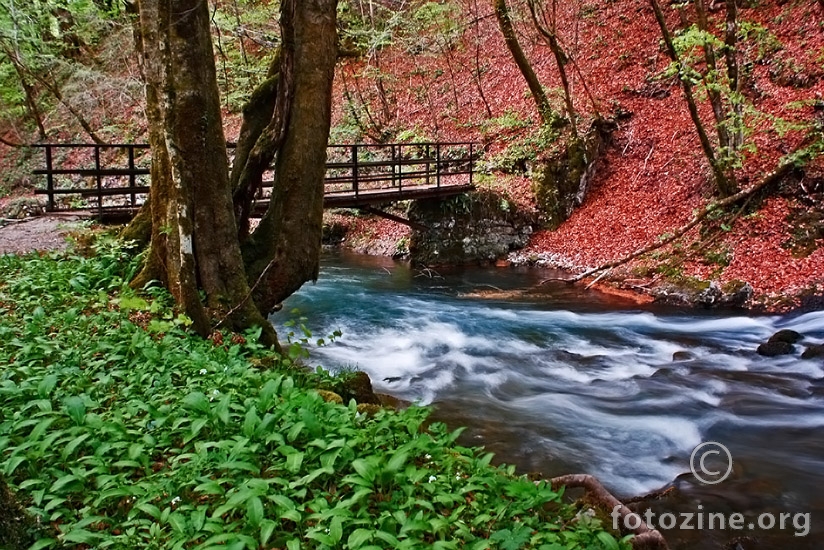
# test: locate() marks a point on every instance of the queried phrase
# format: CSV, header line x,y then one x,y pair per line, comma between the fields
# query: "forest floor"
x,y
41,233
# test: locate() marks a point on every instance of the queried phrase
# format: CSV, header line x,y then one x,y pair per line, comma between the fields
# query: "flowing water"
x,y
575,381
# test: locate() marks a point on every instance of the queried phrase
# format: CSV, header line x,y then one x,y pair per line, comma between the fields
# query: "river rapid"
x,y
574,381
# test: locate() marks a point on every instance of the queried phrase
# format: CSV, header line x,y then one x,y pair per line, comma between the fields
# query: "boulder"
x,y
813,351
357,386
773,349
786,335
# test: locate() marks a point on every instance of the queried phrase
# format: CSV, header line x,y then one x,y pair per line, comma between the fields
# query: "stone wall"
x,y
478,227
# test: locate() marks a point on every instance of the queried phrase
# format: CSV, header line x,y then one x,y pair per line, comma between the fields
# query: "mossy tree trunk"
x,y
194,243
284,251
255,146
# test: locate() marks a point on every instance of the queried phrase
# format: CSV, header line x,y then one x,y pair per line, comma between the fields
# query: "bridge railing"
x,y
117,175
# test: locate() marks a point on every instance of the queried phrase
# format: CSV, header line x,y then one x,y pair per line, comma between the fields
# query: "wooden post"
x,y
132,175
395,181
471,162
438,165
427,157
355,169
99,179
49,179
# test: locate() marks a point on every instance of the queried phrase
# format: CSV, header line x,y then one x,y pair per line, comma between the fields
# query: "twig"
x,y
8,143
598,278
245,298
8,221
429,272
651,149
493,287
629,141
644,169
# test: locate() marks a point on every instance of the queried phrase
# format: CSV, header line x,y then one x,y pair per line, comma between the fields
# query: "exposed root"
x,y
645,538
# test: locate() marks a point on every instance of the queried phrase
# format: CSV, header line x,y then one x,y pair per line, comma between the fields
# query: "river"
x,y
574,381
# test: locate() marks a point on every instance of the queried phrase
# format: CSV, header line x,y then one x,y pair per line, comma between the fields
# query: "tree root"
x,y
645,538
771,178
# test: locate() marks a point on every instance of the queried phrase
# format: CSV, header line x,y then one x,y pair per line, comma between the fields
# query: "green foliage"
x,y
43,40
426,26
523,148
434,26
245,35
368,26
510,120
758,43
128,437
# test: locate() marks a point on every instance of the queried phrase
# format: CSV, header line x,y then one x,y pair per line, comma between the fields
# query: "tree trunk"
x,y
731,55
713,90
284,251
725,184
251,160
28,92
547,29
511,39
194,237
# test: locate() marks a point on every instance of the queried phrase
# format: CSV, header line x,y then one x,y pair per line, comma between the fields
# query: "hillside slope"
x,y
654,175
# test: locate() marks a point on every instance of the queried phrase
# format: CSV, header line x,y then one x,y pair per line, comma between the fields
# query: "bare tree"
x,y
724,178
518,55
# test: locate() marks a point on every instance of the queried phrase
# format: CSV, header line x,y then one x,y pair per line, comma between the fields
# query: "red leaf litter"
x,y
654,175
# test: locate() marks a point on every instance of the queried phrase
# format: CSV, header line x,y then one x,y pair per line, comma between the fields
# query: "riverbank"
x,y
755,264
580,381
119,428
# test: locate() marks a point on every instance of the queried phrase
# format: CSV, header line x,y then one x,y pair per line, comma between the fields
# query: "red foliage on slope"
x,y
654,175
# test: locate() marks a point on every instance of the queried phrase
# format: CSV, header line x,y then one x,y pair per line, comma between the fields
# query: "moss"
x,y
557,181
369,408
357,386
561,181
140,228
694,284
330,397
733,286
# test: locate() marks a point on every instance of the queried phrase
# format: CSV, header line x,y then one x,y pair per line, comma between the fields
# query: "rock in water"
x,y
813,351
772,349
786,335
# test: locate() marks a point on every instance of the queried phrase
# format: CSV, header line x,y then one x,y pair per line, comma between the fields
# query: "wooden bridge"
x,y
112,180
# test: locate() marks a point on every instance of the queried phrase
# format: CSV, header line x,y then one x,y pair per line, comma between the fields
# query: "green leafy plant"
x,y
119,429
